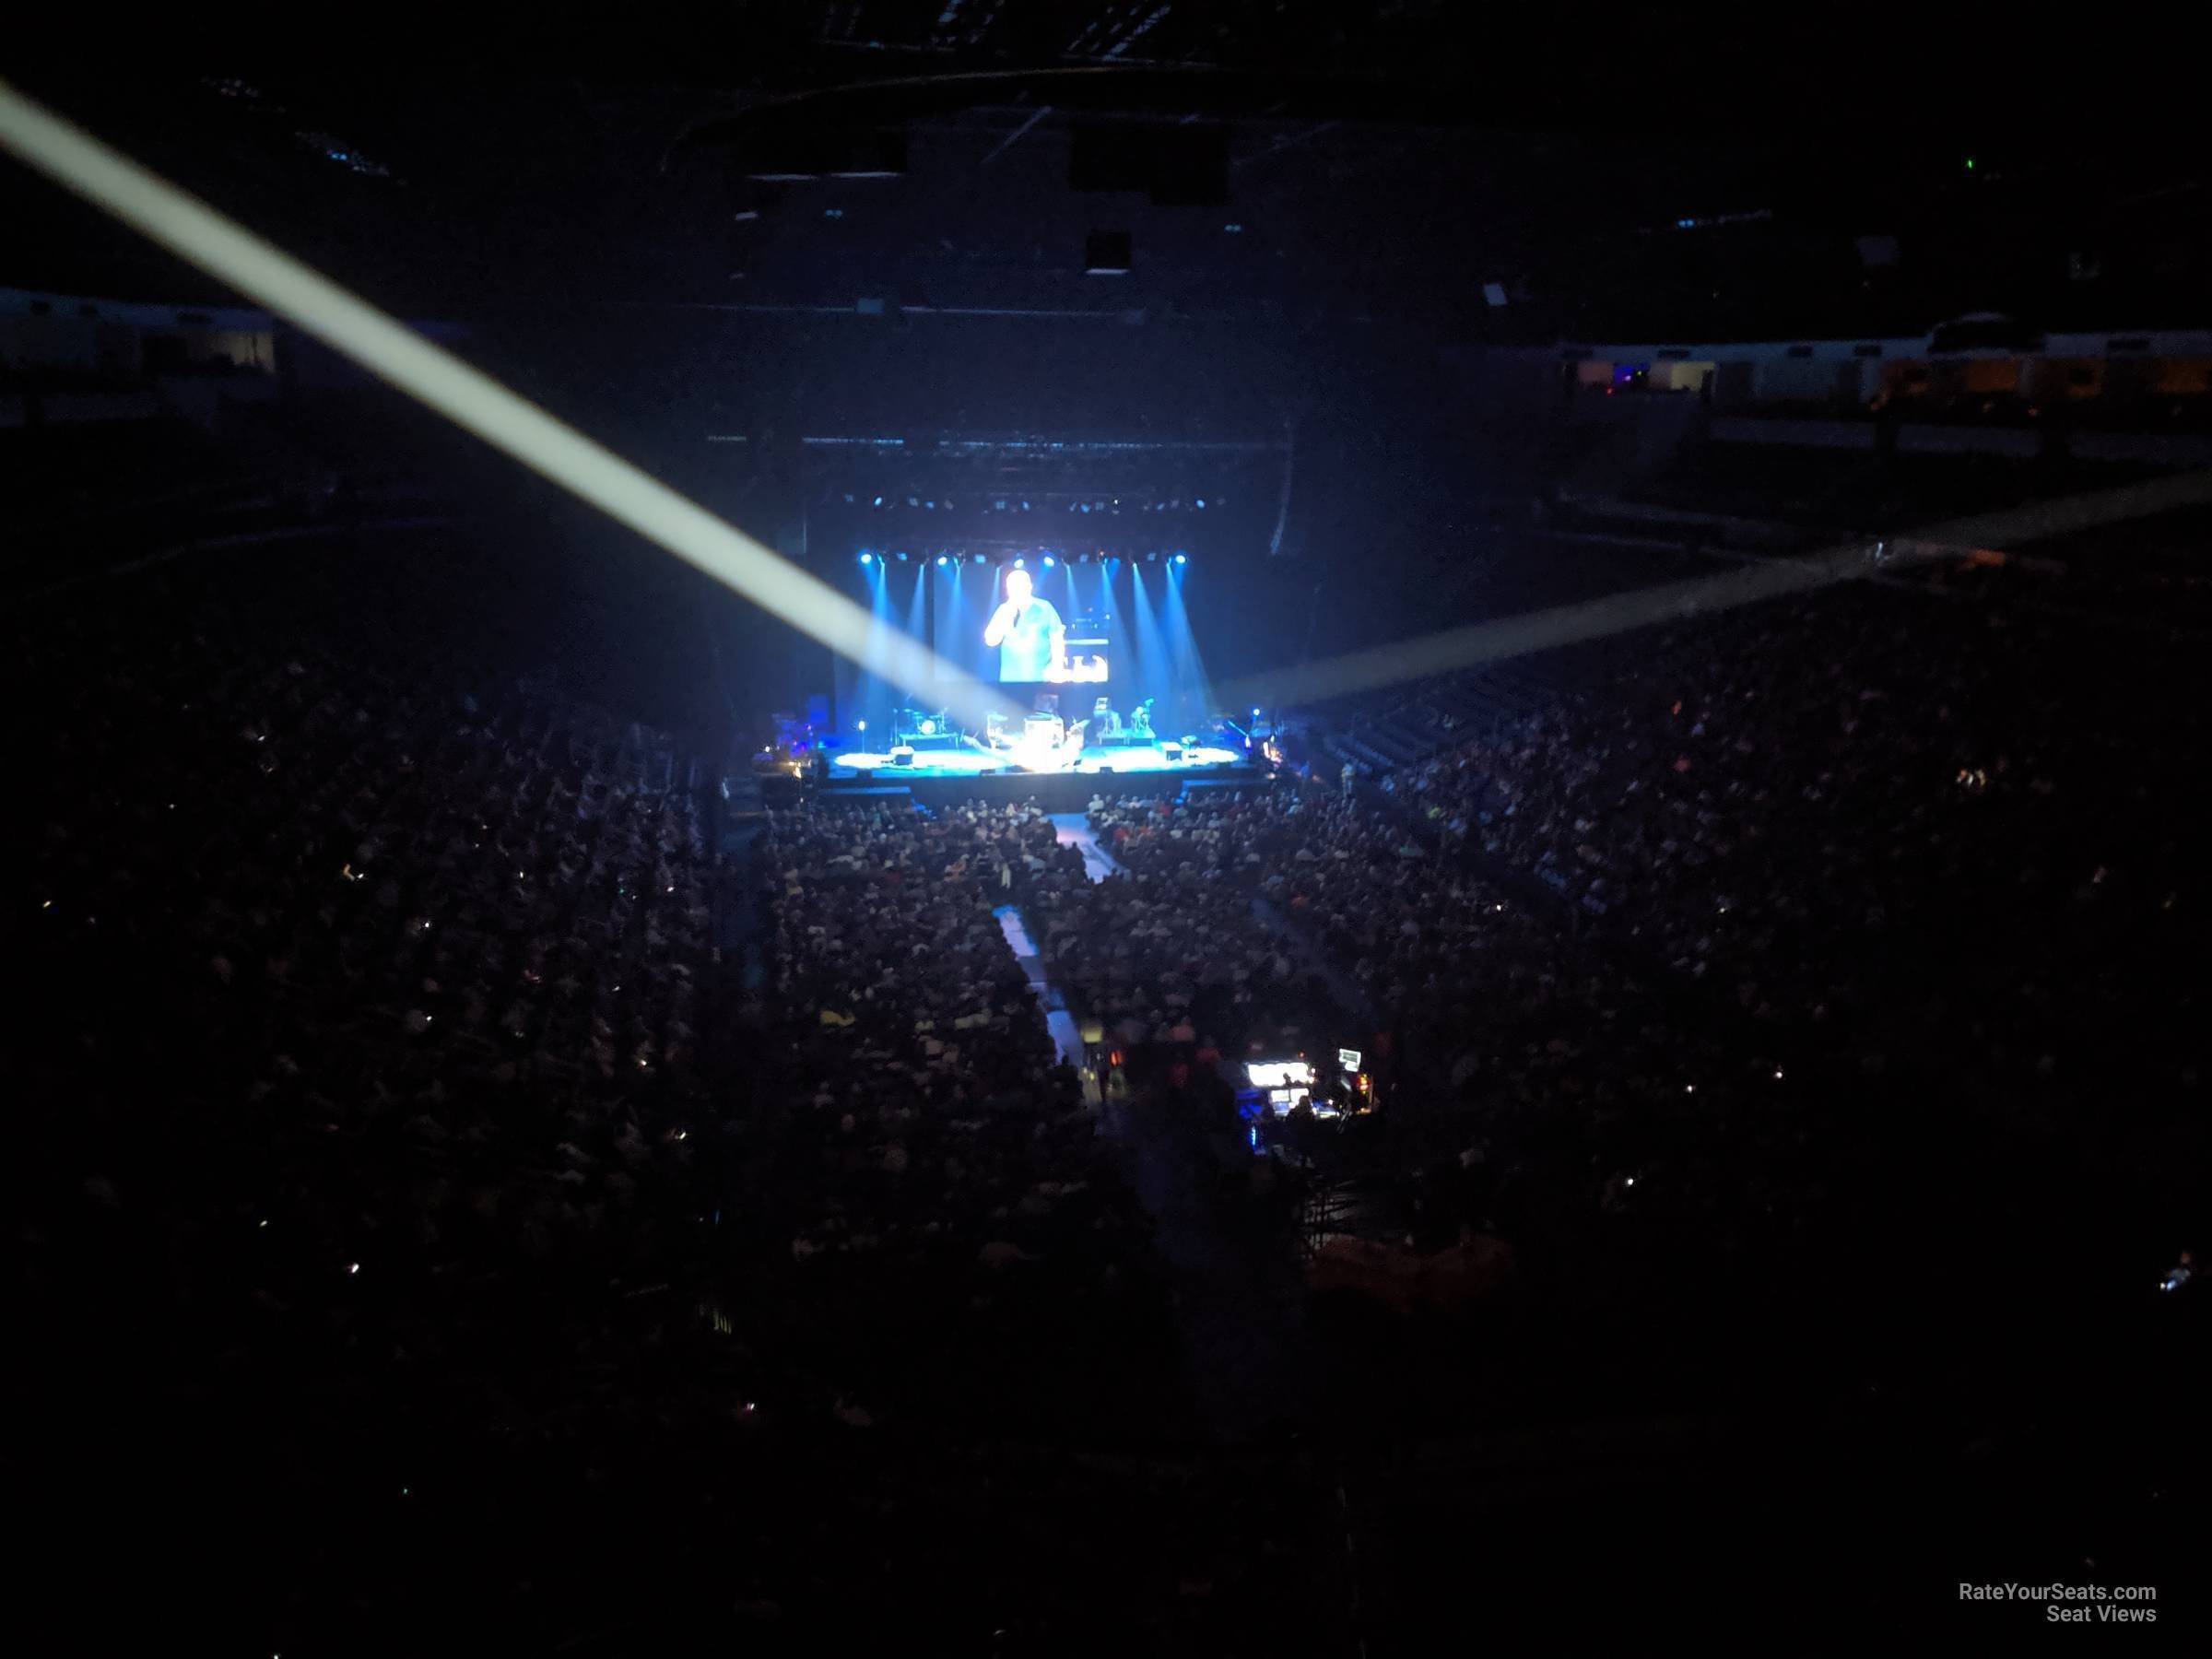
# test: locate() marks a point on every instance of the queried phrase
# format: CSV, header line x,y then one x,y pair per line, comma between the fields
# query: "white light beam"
x,y
472,400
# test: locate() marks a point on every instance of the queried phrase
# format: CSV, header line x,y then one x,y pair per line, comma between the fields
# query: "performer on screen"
x,y
1031,640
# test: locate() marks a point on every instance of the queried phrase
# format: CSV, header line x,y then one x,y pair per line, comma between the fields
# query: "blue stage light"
x,y
878,500
1202,501
1017,564
942,560
979,559
867,559
1182,558
1048,561
899,557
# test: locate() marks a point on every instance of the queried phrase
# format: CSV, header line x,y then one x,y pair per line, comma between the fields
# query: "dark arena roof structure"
x,y
1408,859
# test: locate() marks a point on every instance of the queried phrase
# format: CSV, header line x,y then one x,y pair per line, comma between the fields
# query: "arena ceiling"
x,y
1401,163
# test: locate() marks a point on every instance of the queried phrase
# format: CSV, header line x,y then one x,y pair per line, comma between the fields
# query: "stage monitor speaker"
x,y
1172,750
902,756
1105,772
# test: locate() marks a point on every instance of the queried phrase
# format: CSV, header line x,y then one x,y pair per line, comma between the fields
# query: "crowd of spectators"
x,y
1653,945
459,940
955,1236
408,1154
1903,818
1528,1072
432,1063
1170,951
1910,858
934,1155
372,1047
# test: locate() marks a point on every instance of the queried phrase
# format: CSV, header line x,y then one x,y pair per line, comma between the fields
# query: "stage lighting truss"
x,y
1034,558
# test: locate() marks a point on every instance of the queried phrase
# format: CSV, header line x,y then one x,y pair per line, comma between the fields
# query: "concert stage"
x,y
941,776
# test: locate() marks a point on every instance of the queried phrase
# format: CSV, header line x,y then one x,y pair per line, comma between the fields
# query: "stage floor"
x,y
972,763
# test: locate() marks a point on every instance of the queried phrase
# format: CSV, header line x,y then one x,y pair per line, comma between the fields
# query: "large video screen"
x,y
1016,625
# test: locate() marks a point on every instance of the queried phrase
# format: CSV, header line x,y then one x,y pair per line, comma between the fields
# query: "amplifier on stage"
x,y
902,755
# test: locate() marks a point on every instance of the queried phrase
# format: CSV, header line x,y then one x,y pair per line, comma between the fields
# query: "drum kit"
x,y
925,728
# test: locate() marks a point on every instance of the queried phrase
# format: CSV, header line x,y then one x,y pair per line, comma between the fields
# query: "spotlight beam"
x,y
472,400
1470,647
